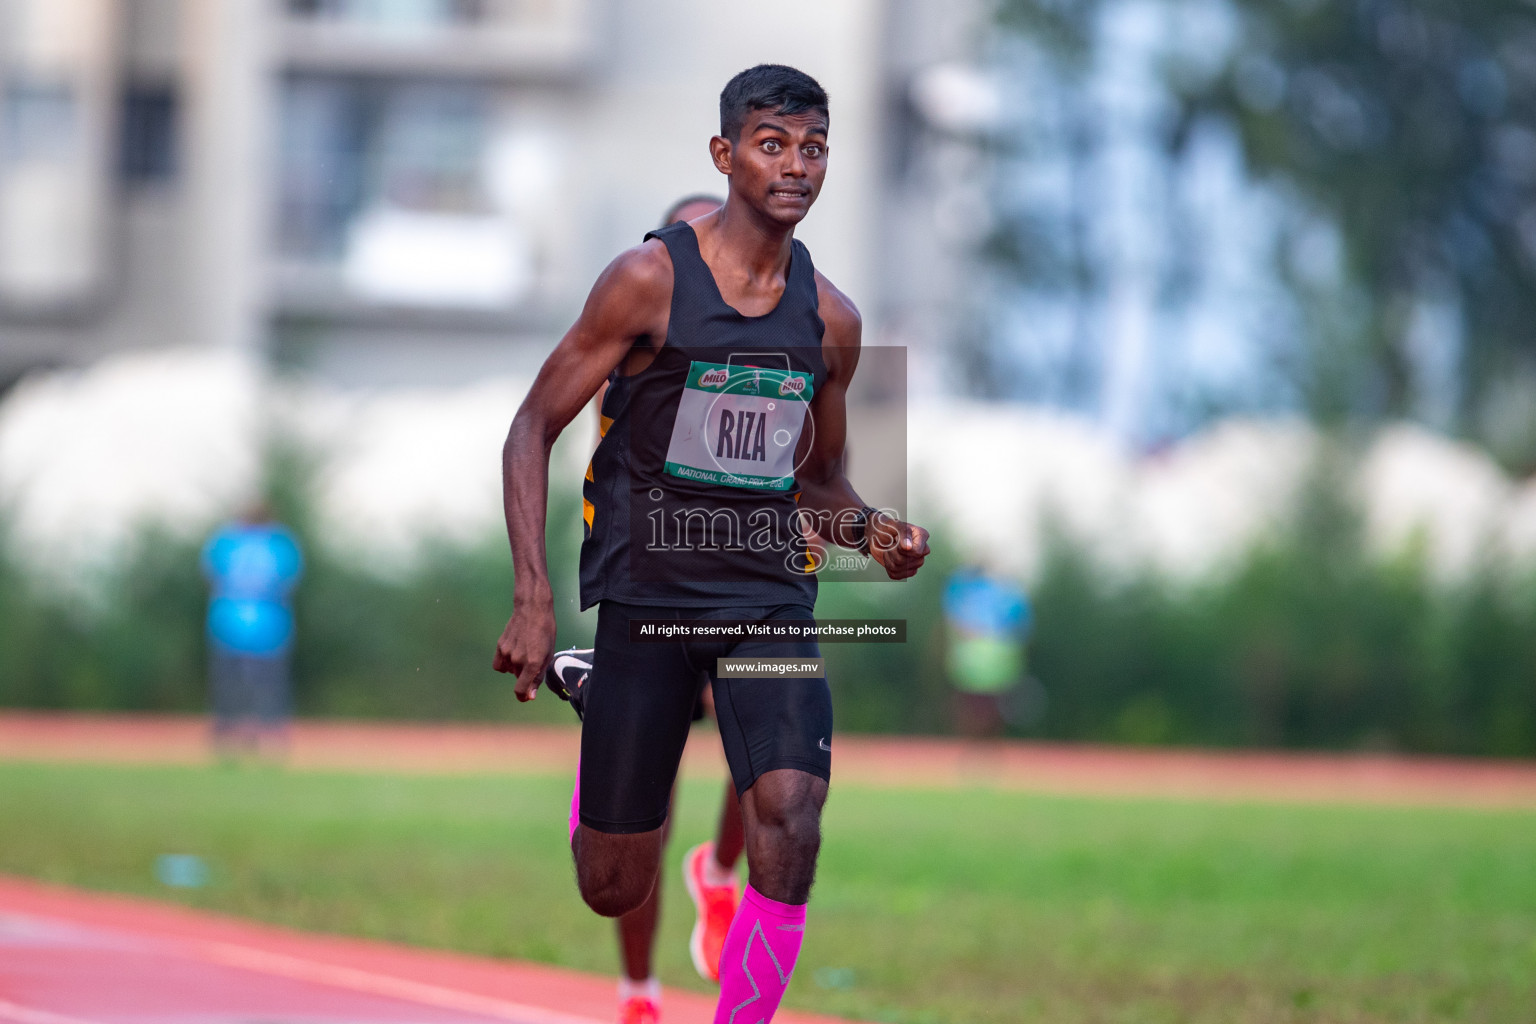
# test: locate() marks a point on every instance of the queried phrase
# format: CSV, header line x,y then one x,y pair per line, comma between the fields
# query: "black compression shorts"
x,y
642,699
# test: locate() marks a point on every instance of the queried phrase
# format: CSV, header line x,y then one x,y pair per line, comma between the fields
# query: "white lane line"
x,y
371,983
10,1013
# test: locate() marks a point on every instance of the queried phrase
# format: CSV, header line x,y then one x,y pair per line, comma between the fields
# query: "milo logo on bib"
x,y
738,426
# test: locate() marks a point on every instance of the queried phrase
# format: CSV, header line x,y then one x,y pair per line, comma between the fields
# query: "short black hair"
x,y
768,87
678,207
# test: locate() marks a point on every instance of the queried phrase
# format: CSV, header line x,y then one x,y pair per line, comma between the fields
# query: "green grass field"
x,y
967,905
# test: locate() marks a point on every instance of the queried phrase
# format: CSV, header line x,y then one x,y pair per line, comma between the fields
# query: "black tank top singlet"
x,y
690,498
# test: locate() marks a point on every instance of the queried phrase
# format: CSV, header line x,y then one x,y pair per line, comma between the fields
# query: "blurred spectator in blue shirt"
x,y
987,621
252,566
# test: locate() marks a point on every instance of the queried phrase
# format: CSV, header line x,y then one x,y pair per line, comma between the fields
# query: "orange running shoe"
x,y
716,906
639,1010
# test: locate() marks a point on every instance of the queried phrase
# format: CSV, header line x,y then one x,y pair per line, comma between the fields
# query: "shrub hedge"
x,y
1307,642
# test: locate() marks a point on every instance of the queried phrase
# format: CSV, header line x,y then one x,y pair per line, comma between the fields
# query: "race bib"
x,y
738,426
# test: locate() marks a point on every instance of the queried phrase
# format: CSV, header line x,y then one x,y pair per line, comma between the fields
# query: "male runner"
x,y
709,869
729,303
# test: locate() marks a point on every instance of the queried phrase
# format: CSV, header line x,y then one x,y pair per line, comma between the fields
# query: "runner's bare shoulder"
x,y
636,288
837,311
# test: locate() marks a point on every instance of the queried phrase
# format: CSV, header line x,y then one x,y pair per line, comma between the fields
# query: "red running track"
x,y
70,957
930,762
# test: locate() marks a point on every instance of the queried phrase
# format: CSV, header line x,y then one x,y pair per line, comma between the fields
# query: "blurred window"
x,y
39,122
390,12
57,151
351,145
385,191
148,140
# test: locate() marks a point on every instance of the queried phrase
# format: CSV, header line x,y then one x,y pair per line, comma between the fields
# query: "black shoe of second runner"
x,y
567,677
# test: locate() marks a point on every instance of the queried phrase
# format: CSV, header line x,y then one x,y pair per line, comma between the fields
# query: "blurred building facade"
x,y
393,191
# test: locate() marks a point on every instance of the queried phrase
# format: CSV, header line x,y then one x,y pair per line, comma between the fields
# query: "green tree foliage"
x,y
135,644
408,641
1308,642
1411,126
1043,247
1399,137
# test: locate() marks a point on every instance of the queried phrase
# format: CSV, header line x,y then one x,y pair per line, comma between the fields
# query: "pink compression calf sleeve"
x,y
576,800
758,958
